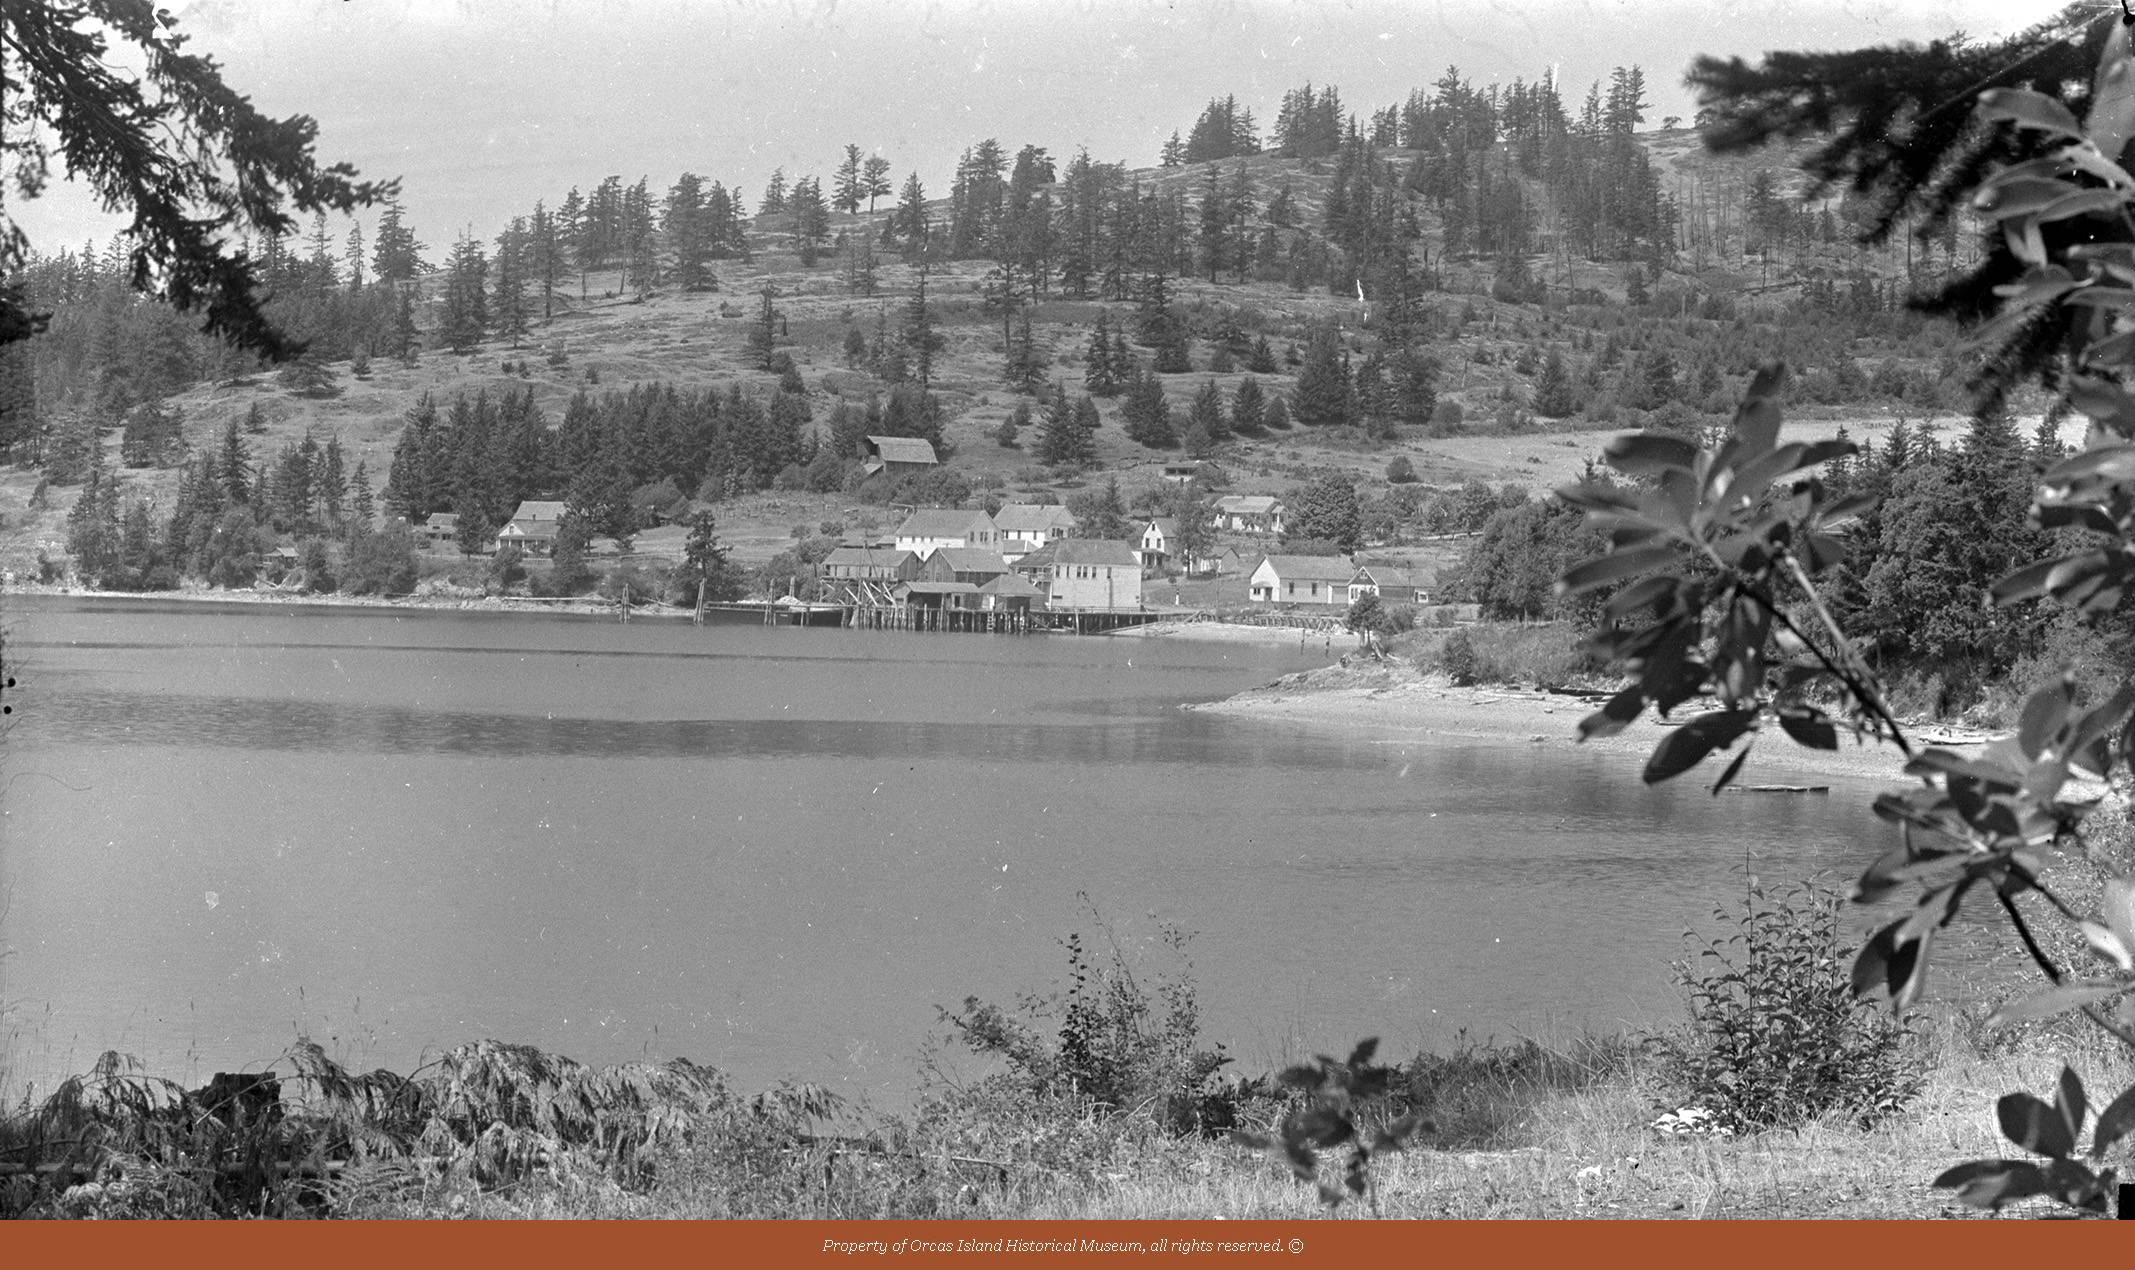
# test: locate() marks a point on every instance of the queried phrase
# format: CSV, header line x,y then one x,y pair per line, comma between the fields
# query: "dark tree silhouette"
x,y
181,150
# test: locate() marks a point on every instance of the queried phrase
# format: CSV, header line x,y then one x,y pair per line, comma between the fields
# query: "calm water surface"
x,y
779,850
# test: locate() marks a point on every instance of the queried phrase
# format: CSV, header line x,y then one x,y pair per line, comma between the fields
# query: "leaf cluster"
x,y
1335,1112
1705,551
2050,1129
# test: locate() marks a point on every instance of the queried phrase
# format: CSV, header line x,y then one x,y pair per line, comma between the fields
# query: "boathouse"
x,y
869,564
975,565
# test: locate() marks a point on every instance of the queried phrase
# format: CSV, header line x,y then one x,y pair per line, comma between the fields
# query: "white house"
x,y
1025,527
532,529
1160,547
932,527
1090,573
1320,580
1395,586
1249,513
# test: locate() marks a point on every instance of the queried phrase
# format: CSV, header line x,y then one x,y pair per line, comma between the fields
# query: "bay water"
x,y
780,851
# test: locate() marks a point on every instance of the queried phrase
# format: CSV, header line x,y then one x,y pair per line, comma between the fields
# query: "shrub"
x,y
1117,1046
506,569
318,567
381,563
1457,656
1776,1036
1400,471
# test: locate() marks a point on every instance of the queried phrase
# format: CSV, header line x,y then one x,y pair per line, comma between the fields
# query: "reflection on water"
x,y
104,717
779,850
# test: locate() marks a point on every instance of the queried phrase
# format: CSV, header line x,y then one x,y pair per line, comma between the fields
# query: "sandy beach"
x,y
1397,697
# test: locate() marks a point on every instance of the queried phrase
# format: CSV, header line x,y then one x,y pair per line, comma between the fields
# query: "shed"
x,y
899,456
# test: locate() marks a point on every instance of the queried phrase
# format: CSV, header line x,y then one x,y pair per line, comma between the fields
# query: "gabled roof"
x,y
1008,584
878,557
1386,575
1029,518
1099,551
970,559
539,509
1042,558
902,449
1165,525
1313,568
1248,504
941,522
443,520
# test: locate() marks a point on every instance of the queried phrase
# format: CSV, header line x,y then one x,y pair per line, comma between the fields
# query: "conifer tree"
x,y
508,303
1098,376
234,466
1209,417
1060,440
846,184
811,219
406,340
1248,408
395,254
687,227
362,505
918,335
1148,414
1013,426
774,194
466,313
874,179
1323,396
910,219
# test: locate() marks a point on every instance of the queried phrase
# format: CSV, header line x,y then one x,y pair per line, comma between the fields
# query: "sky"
x,y
481,107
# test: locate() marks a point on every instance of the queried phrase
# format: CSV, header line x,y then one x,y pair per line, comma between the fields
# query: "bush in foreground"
x,y
1776,1036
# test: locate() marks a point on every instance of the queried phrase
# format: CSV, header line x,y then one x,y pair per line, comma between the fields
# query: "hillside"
x,y
1712,322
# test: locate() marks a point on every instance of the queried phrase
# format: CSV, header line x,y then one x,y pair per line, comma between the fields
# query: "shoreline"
x,y
1398,698
434,601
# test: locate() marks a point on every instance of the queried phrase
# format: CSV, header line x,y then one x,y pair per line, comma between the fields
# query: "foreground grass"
x,y
1522,1131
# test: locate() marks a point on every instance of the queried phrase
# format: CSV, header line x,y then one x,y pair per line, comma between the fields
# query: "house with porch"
x,y
1321,581
1159,548
932,527
1249,513
898,456
1091,573
532,529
